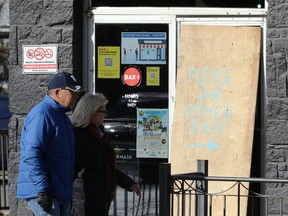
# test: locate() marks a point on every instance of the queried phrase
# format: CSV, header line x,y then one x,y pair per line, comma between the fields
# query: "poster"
x,y
108,62
153,76
152,133
143,48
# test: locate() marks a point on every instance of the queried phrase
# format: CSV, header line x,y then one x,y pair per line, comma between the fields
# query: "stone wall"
x,y
36,22
60,22
277,107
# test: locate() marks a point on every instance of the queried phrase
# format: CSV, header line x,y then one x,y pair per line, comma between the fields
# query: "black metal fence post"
x,y
164,187
202,186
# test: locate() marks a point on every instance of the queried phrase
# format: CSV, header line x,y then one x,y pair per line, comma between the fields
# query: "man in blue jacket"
x,y
47,150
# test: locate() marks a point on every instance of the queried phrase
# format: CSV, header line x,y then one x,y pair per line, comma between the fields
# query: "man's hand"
x,y
45,200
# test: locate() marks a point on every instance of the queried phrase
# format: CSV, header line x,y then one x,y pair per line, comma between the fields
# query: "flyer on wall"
x,y
152,133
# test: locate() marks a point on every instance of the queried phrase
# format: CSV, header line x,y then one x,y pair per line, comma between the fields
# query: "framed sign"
x,y
40,59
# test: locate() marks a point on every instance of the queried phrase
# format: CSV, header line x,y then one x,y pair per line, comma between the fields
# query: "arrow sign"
x,y
211,145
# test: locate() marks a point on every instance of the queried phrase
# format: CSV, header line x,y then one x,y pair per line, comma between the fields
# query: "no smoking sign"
x,y
40,59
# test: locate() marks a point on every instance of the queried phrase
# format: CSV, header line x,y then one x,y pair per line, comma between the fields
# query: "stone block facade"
x,y
277,102
60,22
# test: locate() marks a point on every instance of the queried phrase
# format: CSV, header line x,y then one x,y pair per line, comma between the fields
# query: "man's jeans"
x,y
59,208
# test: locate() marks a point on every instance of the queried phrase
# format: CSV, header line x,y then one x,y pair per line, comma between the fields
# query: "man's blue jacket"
x,y
46,152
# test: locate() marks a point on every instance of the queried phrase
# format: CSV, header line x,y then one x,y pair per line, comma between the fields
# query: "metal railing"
x,y
127,203
188,194
4,199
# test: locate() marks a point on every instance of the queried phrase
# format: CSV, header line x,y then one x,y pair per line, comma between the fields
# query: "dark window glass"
x,y
119,94
120,124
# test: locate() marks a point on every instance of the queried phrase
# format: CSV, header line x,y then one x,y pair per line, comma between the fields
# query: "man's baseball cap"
x,y
64,80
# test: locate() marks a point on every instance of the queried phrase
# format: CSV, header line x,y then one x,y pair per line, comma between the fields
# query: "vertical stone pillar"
x,y
37,22
277,101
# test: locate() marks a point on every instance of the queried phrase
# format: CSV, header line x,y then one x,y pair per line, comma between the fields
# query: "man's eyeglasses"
x,y
72,92
66,88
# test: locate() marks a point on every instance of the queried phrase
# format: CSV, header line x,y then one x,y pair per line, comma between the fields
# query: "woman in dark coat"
x,y
96,157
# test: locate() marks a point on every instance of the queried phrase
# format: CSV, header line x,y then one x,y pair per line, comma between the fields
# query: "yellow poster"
x,y
108,62
153,76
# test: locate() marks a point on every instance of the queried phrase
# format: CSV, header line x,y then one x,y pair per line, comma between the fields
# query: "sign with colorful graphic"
x,y
152,133
109,62
143,48
40,59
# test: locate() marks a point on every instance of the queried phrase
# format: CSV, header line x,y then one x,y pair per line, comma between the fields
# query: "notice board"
x,y
216,90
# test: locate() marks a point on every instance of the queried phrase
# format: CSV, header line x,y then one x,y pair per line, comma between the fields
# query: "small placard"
x,y
40,59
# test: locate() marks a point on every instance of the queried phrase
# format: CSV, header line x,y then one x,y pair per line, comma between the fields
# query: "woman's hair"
x,y
86,108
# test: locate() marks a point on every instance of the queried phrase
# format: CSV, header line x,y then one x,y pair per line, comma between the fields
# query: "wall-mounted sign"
x,y
143,48
152,133
132,77
40,59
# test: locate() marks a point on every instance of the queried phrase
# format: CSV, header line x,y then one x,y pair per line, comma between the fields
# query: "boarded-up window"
x,y
217,78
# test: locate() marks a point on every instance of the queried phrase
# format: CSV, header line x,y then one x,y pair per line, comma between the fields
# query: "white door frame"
x,y
174,17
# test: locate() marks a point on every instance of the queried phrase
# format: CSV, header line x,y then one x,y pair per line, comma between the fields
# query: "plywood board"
x,y
217,77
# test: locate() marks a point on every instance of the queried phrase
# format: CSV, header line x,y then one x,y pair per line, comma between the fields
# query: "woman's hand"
x,y
135,188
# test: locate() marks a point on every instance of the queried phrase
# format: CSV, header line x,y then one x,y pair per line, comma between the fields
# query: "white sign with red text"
x,y
40,59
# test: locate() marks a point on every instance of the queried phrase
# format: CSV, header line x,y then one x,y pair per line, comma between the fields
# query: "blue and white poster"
x,y
143,48
152,133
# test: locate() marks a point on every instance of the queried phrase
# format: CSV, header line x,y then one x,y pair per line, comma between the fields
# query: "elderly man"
x,y
47,150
